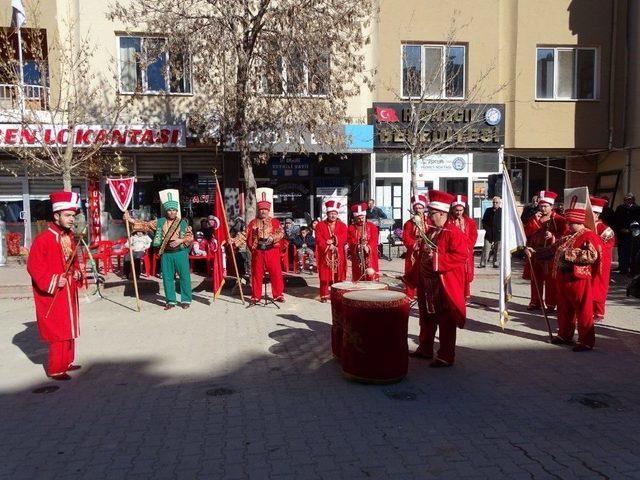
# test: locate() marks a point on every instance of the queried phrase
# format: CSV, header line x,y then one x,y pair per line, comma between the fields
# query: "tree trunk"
x,y
66,168
242,139
414,179
66,180
249,183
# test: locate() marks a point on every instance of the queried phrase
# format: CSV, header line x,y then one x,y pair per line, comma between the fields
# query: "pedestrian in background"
x,y
625,215
529,210
492,224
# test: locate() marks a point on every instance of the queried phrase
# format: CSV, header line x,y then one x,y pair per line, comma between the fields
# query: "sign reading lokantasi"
x,y
85,136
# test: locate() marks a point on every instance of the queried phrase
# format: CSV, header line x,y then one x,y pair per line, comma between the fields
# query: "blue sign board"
x,y
359,138
290,167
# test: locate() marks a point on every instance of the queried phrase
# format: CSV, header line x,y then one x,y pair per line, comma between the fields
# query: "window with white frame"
x,y
146,67
299,76
433,71
566,73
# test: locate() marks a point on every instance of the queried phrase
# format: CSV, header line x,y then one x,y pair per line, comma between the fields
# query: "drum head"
x,y
349,286
363,297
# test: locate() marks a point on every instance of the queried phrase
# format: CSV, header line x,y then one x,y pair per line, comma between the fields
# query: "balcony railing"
x,y
36,97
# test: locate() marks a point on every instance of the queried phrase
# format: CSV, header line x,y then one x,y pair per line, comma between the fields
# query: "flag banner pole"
x,y
512,237
544,305
228,237
133,266
122,194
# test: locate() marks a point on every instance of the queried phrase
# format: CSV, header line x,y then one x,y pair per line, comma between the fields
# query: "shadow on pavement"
x,y
285,409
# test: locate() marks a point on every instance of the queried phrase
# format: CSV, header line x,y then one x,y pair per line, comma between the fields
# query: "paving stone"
x,y
509,408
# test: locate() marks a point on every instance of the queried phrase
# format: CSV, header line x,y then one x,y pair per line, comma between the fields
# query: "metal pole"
x,y
21,86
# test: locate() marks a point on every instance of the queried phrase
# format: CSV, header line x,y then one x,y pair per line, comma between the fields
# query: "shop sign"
x,y
471,125
95,226
291,191
86,136
202,198
289,167
354,138
445,162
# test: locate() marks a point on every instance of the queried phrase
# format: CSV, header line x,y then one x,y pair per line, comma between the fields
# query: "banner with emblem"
x,y
512,238
122,191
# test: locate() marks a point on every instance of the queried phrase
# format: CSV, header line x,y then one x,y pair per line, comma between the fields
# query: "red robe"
x,y
269,259
327,276
535,232
600,281
574,262
45,265
353,239
411,240
441,283
48,258
470,231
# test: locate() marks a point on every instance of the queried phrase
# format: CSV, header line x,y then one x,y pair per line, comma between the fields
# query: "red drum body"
x,y
337,292
374,342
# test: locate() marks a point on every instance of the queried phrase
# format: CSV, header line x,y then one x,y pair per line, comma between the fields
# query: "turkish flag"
x,y
122,191
219,240
386,114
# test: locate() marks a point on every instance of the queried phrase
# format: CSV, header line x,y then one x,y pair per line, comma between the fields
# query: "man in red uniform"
x,y
412,236
331,239
468,227
575,258
55,274
543,229
362,237
440,277
264,234
603,272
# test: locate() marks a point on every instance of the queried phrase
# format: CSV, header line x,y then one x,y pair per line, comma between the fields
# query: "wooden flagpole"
x,y
228,235
544,305
133,266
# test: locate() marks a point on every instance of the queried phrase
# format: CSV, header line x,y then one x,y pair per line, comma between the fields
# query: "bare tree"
x,y
436,115
62,92
267,71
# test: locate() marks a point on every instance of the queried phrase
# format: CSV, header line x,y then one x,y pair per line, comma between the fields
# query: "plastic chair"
x,y
195,258
102,253
284,255
119,251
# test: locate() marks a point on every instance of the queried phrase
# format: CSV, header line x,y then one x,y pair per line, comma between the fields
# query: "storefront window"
x,y
388,163
486,161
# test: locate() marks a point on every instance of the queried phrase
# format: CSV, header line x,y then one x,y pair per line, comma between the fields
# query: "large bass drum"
x,y
374,340
337,292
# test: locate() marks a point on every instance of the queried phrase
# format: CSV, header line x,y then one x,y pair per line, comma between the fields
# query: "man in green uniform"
x,y
172,237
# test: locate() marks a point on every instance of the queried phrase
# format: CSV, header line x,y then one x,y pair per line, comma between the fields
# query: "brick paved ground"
x,y
512,407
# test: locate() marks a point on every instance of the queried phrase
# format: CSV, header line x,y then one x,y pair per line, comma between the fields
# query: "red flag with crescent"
x,y
386,114
219,239
122,191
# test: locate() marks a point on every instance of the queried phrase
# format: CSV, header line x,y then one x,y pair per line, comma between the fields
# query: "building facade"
x,y
550,88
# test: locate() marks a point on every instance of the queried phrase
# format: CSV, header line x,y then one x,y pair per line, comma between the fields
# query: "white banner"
x,y
512,237
85,136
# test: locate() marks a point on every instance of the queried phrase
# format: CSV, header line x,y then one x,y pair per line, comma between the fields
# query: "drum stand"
x,y
266,299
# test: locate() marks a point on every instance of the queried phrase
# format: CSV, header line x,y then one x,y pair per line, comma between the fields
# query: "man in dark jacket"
x,y
492,224
373,212
529,210
625,215
305,245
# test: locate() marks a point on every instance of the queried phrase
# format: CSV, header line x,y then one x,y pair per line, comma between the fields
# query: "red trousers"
x,y
410,291
575,306
61,355
546,285
268,260
429,324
